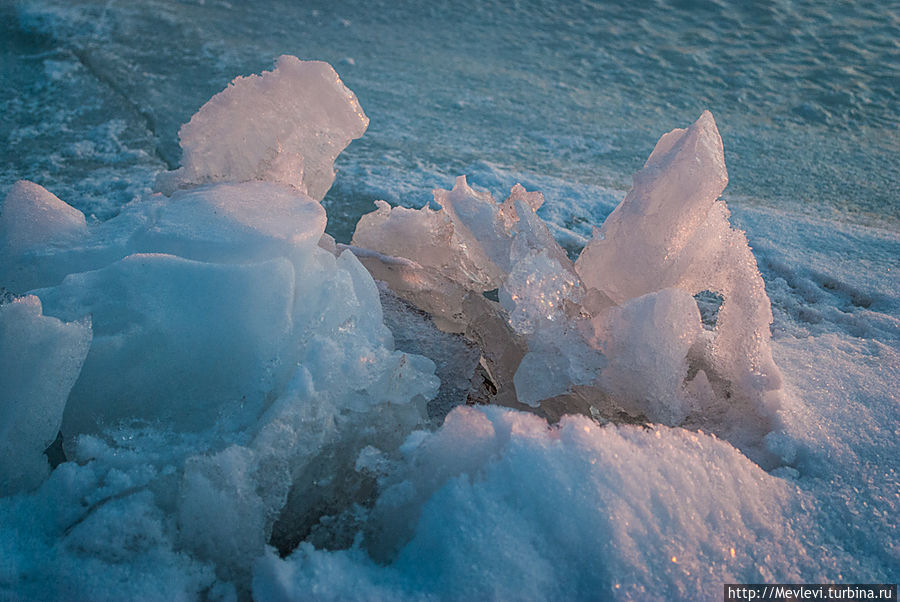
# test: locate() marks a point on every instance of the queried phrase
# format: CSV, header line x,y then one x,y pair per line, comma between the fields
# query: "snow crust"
x,y
530,512
40,358
247,414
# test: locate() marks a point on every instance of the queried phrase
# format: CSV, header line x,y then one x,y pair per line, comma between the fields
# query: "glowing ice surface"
x,y
286,126
619,330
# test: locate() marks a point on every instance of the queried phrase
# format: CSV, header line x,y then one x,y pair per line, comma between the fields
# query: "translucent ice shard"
x,y
672,231
651,239
443,260
646,343
542,295
466,241
286,125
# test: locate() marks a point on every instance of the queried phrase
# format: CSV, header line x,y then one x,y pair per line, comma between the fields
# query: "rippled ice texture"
x,y
806,92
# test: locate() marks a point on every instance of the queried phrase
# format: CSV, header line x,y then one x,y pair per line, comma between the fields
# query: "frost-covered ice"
x,y
246,413
619,330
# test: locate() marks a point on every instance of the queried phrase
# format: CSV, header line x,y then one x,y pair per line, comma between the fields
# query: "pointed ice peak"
x,y
672,232
461,194
687,167
477,223
32,216
702,133
508,212
665,209
286,125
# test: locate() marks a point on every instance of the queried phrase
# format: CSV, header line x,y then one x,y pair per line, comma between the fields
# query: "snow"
x,y
496,505
250,409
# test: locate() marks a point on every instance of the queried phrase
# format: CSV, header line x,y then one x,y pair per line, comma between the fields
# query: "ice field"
x,y
442,345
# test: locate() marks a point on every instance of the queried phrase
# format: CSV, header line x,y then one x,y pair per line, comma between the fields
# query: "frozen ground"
x,y
346,486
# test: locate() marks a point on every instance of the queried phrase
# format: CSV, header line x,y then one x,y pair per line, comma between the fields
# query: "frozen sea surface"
x,y
806,92
567,99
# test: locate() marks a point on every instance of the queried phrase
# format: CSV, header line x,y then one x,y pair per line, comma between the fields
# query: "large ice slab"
x,y
40,358
286,125
231,223
175,340
672,231
206,302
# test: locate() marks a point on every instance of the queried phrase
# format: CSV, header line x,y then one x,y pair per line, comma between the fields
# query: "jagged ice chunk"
x,y
40,358
285,125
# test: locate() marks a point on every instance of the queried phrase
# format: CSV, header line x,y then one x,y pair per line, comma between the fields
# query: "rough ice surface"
x,y
647,341
445,258
247,414
618,330
40,358
229,360
576,511
672,231
285,125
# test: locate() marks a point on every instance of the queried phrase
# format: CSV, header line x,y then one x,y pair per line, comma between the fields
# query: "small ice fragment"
x,y
34,217
646,343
